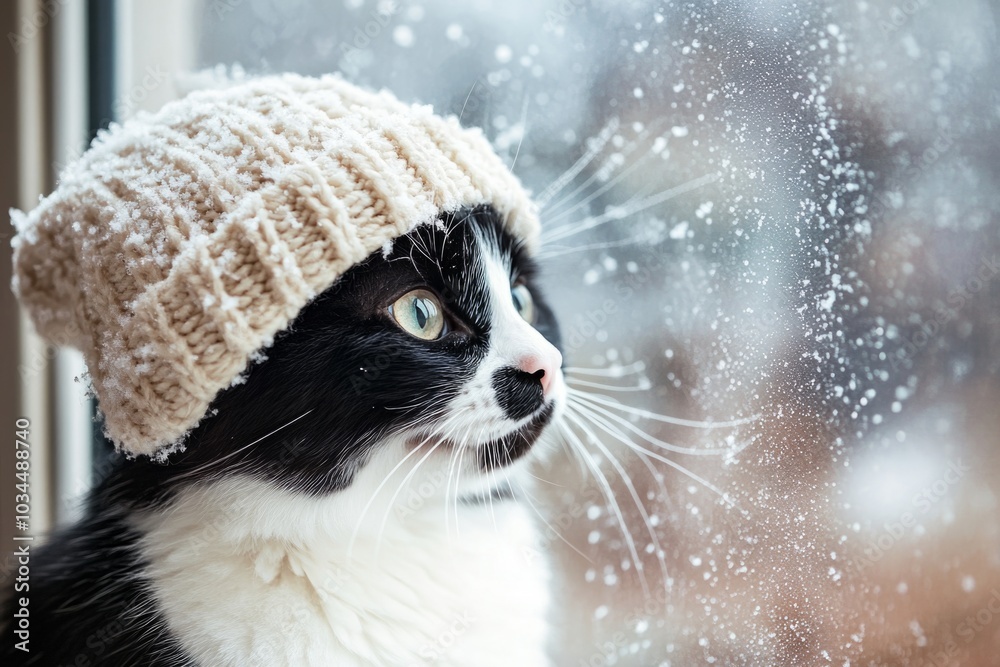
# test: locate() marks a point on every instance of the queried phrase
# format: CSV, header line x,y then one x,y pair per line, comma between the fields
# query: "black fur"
x,y
337,381
513,446
88,606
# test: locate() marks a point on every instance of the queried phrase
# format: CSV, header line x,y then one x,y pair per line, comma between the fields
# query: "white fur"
x,y
475,411
390,571
246,574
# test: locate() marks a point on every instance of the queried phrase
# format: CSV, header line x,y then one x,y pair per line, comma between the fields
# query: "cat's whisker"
x,y
543,480
467,98
597,144
491,472
385,480
452,460
524,131
597,410
644,454
634,368
631,444
374,496
629,208
452,455
627,480
421,245
657,475
550,252
510,485
215,462
608,387
458,486
465,445
573,456
559,231
724,496
612,503
610,183
654,416
529,498
402,485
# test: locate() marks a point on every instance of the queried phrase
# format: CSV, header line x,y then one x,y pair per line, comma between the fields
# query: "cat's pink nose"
x,y
543,366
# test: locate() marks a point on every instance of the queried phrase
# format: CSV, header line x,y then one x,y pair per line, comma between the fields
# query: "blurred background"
x,y
780,218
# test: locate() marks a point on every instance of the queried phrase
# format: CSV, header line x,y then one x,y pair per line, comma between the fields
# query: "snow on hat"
x,y
182,241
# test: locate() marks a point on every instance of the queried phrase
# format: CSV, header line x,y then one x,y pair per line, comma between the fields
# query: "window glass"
x,y
781,218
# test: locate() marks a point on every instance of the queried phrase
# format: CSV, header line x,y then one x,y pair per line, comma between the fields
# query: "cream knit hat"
x,y
183,241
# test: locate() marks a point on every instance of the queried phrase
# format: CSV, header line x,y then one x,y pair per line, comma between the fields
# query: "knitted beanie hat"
x,y
182,241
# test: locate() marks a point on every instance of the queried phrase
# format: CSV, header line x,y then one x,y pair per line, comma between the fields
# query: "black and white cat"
x,y
355,501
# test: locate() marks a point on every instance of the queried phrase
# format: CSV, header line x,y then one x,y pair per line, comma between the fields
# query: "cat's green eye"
x,y
419,314
523,302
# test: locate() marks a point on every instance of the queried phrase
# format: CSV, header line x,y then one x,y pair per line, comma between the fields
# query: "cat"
x,y
356,500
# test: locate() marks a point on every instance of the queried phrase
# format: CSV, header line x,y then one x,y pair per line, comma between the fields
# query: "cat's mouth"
x,y
506,449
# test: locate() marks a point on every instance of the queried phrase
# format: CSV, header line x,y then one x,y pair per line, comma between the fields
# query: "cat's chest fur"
x,y
277,581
